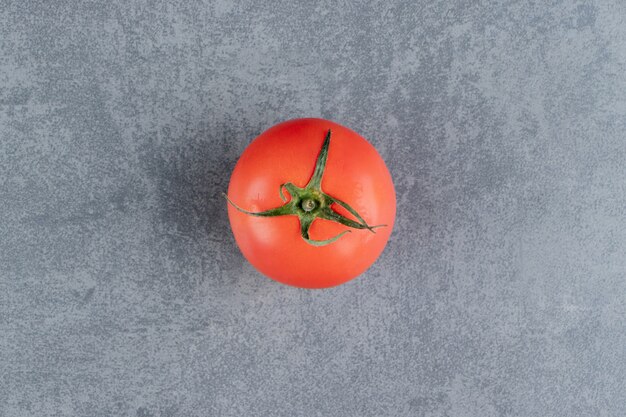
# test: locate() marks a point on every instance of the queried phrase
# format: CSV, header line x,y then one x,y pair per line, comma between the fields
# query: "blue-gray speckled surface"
x,y
502,291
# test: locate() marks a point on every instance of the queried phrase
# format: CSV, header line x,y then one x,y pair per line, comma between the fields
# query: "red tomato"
x,y
312,204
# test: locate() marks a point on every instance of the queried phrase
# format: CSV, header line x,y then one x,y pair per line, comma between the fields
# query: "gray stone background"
x,y
502,291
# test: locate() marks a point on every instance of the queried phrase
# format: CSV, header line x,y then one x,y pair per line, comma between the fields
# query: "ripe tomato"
x,y
311,203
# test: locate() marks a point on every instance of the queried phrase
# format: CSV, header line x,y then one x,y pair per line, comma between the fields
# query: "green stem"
x,y
311,203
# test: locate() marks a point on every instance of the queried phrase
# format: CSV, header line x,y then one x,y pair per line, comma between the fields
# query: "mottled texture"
x,y
502,291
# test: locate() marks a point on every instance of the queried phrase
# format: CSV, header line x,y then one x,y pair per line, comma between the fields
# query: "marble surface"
x,y
502,291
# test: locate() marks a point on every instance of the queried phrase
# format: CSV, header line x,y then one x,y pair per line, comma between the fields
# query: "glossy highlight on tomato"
x,y
311,203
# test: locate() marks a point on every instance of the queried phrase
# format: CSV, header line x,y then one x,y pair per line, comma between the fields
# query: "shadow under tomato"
x,y
193,249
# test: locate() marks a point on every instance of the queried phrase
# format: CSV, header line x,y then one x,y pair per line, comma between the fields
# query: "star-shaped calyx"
x,y
310,203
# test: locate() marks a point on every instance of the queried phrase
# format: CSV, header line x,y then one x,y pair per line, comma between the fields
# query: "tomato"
x,y
311,203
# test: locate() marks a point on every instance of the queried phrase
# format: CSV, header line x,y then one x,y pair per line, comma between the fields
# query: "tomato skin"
x,y
355,173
